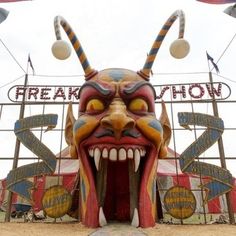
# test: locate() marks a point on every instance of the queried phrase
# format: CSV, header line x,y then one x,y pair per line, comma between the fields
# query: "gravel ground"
x,y
72,229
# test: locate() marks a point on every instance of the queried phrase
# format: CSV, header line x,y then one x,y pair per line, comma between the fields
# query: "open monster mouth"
x,y
117,179
120,173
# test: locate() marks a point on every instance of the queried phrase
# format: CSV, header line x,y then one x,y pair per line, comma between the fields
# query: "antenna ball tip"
x,y
179,48
61,49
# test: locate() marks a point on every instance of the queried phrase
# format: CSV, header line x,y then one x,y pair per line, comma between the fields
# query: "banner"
x,y
16,179
221,178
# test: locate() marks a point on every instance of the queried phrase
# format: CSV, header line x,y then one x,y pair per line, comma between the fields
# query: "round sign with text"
x,y
180,202
56,201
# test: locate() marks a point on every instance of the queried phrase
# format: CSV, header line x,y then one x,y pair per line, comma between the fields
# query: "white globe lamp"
x,y
61,49
179,48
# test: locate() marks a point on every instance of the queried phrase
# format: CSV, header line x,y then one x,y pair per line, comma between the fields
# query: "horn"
x,y
178,49
61,50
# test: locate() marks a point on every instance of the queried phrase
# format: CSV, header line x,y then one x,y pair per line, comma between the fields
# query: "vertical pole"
x,y
1,111
222,153
201,181
16,154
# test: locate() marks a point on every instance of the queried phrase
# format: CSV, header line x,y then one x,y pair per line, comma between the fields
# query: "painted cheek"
x,y
152,129
83,127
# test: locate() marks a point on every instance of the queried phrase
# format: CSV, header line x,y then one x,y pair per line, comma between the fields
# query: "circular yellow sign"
x,y
56,201
180,202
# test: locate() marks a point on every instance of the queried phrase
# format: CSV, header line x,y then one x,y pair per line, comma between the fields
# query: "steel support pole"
x,y
16,154
222,153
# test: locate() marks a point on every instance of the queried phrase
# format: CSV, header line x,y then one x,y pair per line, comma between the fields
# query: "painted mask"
x,y
118,139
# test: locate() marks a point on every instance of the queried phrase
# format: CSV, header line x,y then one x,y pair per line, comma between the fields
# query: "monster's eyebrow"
x,y
134,87
98,87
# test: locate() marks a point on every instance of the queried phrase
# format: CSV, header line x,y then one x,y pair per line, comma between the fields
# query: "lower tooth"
x,y
102,219
135,220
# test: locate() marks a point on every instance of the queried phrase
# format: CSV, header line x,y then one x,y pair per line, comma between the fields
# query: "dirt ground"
x,y
72,229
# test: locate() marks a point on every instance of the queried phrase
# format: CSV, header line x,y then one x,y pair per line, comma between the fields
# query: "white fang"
x,y
102,219
135,220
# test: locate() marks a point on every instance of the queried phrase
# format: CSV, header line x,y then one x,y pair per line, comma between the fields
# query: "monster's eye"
x,y
95,105
138,105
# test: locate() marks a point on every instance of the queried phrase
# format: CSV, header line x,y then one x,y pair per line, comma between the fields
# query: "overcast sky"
x,y
113,33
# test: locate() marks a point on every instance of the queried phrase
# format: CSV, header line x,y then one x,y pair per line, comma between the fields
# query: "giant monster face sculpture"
x,y
117,138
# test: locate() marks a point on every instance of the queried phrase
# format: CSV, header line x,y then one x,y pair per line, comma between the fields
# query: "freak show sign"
x,y
168,92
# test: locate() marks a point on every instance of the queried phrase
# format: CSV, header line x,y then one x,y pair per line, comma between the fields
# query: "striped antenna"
x,y
59,20
145,72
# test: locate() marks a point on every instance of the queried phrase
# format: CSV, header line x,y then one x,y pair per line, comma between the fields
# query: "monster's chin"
x,y
120,177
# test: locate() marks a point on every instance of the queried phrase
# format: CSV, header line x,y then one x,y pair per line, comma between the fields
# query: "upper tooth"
x,y
105,153
113,154
142,152
135,220
136,159
130,153
122,154
91,152
102,219
97,155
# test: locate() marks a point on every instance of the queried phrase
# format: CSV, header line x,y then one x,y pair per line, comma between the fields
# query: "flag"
x,y
30,63
213,63
217,1
13,0
3,14
231,11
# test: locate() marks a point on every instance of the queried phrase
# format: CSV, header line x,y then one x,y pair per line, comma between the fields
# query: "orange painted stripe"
x,y
71,35
163,32
157,44
151,58
82,58
76,45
